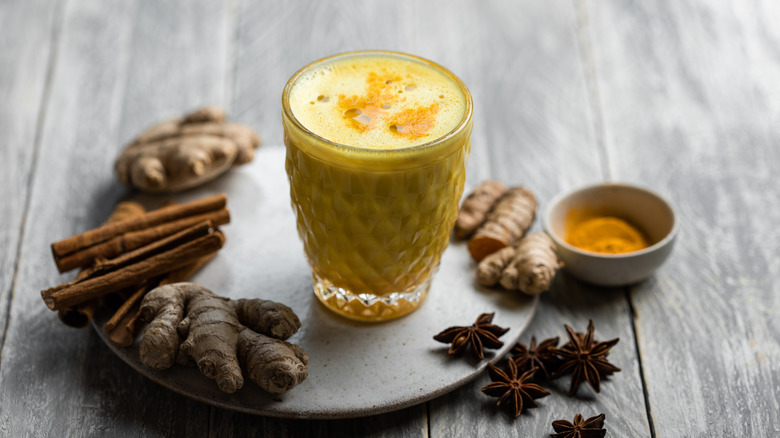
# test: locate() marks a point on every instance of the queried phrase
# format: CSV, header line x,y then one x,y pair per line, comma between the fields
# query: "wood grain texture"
x,y
120,66
404,423
691,103
25,56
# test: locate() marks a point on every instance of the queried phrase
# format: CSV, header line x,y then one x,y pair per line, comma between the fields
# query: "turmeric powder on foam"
x,y
606,234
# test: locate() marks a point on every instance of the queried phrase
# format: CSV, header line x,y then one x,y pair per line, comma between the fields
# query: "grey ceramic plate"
x,y
356,369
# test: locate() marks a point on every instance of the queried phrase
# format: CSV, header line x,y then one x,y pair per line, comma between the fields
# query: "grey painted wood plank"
x,y
402,423
180,61
540,133
276,39
689,92
41,371
120,66
25,56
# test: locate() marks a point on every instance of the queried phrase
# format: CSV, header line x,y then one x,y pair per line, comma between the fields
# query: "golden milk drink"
x,y
377,144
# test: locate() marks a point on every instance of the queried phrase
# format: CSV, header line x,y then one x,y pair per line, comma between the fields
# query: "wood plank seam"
x,y
58,19
231,9
585,51
210,432
231,55
429,432
587,59
124,60
642,378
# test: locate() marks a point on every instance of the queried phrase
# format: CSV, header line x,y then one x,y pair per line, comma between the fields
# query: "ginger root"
x,y
476,207
529,267
186,152
273,364
219,335
511,216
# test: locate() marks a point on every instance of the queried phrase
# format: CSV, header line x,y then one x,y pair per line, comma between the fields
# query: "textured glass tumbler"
x,y
374,223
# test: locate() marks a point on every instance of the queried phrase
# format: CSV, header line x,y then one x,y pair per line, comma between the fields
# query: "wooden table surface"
x,y
681,96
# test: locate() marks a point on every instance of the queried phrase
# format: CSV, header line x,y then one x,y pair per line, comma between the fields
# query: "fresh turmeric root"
x,y
490,268
186,152
476,207
529,267
219,335
511,216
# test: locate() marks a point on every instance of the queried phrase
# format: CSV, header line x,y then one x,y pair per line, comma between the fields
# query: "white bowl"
x,y
645,209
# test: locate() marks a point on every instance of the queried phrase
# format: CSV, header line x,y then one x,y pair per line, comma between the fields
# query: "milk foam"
x,y
377,101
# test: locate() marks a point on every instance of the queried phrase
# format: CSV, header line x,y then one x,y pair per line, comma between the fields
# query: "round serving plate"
x,y
356,369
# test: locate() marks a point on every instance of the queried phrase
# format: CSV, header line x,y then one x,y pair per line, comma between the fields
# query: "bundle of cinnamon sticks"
x,y
133,252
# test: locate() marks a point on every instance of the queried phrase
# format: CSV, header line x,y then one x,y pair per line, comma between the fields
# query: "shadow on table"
x,y
569,294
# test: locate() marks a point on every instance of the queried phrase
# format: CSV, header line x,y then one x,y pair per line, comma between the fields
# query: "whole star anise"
x,y
536,356
586,359
593,427
482,334
515,391
593,342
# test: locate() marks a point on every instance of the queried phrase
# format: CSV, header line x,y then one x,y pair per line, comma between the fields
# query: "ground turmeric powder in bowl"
x,y
605,234
611,234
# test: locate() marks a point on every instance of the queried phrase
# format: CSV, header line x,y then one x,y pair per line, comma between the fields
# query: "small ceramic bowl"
x,y
645,209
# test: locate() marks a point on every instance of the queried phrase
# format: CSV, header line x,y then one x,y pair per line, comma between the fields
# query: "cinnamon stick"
x,y
80,315
150,219
128,275
186,235
121,328
136,239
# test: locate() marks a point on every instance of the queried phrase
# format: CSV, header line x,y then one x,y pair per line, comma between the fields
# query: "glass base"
x,y
369,307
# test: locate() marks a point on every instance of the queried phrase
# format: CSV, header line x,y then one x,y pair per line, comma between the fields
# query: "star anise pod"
x,y
593,427
593,342
482,334
536,356
586,360
515,391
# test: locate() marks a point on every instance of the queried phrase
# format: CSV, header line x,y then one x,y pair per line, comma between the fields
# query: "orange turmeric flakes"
x,y
415,122
369,111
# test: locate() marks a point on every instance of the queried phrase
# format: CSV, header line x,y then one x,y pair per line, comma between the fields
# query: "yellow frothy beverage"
x,y
376,149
